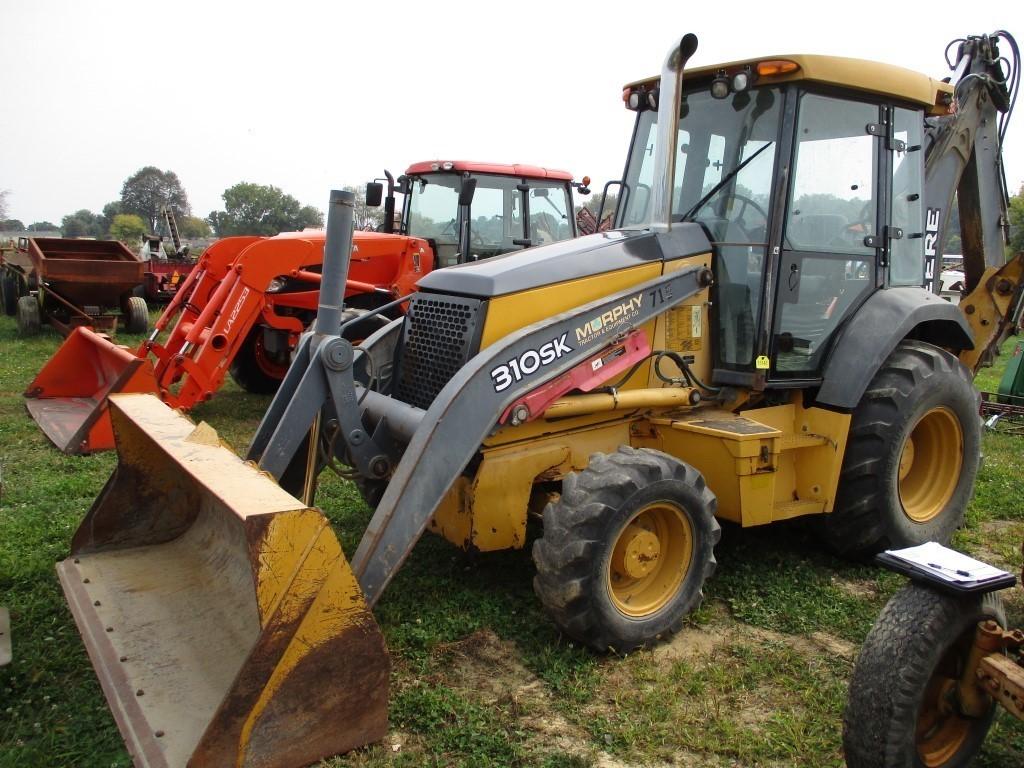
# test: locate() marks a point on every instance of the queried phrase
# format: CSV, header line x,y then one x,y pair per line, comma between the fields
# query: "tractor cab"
x,y
808,181
471,211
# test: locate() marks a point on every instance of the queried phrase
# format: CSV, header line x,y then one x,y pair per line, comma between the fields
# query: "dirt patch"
x,y
857,588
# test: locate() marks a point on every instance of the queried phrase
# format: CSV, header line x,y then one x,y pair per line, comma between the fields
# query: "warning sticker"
x,y
684,328
763,363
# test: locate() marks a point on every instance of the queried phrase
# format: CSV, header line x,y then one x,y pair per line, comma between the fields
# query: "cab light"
x,y
776,67
741,80
720,86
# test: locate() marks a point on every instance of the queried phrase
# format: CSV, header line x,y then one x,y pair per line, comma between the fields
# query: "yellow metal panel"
x,y
503,484
453,517
685,328
506,314
764,464
858,74
489,511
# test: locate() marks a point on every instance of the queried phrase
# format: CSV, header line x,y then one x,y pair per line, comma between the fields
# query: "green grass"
x,y
480,676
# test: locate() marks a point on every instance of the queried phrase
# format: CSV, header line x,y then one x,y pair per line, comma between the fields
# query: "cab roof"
x,y
515,169
856,74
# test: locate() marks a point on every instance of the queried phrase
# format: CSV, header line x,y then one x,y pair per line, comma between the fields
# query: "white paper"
x,y
946,563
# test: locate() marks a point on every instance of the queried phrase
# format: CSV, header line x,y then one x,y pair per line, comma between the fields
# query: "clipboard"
x,y
940,569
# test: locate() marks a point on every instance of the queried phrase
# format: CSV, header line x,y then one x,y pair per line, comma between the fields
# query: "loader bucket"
x,y
68,398
220,614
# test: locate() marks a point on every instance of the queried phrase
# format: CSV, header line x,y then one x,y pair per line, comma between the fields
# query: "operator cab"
x,y
809,187
471,211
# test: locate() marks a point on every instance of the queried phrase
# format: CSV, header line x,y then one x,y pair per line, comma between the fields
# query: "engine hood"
x,y
566,260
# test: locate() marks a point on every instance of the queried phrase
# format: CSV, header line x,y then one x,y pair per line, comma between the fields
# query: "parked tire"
x,y
367,324
911,456
902,710
626,549
9,290
136,315
255,369
29,322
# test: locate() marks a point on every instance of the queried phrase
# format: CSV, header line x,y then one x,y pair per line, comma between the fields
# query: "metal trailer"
x,y
71,283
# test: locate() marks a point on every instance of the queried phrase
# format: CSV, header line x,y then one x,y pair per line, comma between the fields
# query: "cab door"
x,y
828,260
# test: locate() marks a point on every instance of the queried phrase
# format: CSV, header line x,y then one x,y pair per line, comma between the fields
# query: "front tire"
x,y
911,456
626,549
902,710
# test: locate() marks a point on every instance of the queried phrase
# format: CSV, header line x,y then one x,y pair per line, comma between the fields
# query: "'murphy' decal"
x,y
609,321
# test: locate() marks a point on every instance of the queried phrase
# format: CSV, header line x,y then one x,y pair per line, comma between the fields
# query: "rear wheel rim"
x,y
650,559
930,463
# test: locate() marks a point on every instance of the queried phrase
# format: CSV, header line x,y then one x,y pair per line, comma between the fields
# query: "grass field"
x,y
481,678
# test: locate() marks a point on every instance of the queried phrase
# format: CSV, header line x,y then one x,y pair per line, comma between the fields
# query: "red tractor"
x,y
242,308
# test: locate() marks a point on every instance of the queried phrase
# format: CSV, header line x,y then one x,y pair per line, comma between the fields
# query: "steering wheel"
x,y
745,203
739,218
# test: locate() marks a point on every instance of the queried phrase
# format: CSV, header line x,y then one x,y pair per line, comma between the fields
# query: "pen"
x,y
957,571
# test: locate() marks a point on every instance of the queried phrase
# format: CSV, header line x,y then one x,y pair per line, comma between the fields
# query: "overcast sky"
x,y
309,96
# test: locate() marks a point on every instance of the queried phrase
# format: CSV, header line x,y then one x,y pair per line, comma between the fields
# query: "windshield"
x,y
508,213
723,181
434,206
726,157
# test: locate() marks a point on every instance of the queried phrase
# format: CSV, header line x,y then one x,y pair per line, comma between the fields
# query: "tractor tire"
x,y
911,455
626,549
9,290
901,711
29,323
136,315
367,324
253,368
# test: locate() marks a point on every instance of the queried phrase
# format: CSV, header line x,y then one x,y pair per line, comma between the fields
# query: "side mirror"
x,y
467,191
374,194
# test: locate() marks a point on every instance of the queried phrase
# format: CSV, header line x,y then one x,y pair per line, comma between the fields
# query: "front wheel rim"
x,y
930,464
650,559
942,730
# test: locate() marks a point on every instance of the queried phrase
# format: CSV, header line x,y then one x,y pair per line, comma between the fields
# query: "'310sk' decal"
x,y
528,362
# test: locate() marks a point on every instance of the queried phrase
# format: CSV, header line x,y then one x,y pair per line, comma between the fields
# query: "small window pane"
x,y
832,207
907,202
549,217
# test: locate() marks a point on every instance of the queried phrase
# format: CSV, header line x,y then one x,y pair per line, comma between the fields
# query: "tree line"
x,y
249,209
255,209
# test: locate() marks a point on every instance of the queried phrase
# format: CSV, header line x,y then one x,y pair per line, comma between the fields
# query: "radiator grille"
x,y
440,334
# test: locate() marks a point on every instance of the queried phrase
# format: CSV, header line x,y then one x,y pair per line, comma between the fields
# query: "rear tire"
x,y
911,456
626,549
901,711
9,290
29,323
136,315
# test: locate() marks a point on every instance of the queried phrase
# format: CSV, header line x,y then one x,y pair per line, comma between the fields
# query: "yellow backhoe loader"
x,y
758,339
